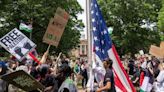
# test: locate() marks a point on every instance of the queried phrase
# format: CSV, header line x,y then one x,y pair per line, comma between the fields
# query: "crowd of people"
x,y
65,75
62,75
146,72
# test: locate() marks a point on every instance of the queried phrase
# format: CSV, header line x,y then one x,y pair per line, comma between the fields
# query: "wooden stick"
x,y
48,48
58,58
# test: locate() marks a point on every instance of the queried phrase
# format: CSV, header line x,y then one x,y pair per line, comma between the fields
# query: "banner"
x,y
17,44
56,27
23,80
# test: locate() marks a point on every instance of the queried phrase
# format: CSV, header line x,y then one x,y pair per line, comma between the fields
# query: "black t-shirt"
x,y
131,68
109,77
48,81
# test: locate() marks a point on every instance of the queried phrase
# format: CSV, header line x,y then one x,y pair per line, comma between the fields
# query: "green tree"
x,y
161,21
40,12
134,23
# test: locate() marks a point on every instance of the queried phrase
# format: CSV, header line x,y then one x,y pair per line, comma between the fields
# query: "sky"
x,y
83,17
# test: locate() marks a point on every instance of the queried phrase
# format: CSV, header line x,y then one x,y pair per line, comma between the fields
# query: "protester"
x,y
131,67
136,76
3,84
68,84
156,70
159,85
109,84
46,78
77,72
61,74
84,74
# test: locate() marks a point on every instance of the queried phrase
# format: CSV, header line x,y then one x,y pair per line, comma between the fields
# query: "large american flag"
x,y
104,49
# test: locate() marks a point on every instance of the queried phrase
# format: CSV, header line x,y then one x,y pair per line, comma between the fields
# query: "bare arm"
x,y
136,80
106,87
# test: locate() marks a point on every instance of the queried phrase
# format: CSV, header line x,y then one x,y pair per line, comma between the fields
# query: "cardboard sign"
x,y
162,44
23,80
17,43
155,51
56,28
162,48
62,13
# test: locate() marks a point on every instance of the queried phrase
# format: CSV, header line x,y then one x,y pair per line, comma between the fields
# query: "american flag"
x,y
101,40
104,49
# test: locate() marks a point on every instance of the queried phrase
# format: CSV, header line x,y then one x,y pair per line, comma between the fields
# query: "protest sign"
x,y
23,80
141,52
162,48
62,13
56,28
17,44
155,51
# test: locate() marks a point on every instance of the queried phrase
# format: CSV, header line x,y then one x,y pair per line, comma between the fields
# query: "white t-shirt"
x,y
160,81
143,65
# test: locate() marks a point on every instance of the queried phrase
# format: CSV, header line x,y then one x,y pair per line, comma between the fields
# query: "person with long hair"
x,y
108,84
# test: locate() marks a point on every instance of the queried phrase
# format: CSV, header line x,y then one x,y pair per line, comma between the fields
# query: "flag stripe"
x,y
118,89
119,62
118,70
118,82
27,28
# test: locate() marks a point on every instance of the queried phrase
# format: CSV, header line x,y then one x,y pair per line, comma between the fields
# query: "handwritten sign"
x,y
56,27
62,13
17,43
23,80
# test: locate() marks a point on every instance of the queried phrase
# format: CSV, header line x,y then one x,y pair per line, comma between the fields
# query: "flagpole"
x,y
88,27
89,40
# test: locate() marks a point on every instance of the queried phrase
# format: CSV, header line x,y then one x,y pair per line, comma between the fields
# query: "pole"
x,y
48,47
58,58
88,27
89,39
30,35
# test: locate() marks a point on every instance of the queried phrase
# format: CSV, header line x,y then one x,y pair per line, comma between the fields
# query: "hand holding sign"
x,y
44,57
